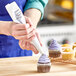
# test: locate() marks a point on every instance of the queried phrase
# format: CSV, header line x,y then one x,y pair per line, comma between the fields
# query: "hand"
x,y
25,35
25,43
20,32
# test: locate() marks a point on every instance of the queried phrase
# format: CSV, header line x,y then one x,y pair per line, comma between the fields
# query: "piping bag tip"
x,y
45,51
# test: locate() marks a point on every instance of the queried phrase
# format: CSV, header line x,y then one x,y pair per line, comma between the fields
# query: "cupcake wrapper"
x,y
43,68
55,50
54,54
68,52
49,64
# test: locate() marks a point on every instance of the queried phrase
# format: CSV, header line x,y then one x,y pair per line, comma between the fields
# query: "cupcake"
x,y
44,64
74,48
65,46
54,49
68,54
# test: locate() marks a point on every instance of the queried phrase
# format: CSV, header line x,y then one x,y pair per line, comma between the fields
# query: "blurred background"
x,y
59,22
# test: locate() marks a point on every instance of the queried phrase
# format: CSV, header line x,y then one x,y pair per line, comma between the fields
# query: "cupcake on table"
x,y
44,64
66,46
68,54
74,48
54,49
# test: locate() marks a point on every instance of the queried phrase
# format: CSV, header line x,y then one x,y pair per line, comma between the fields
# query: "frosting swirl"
x,y
54,45
44,59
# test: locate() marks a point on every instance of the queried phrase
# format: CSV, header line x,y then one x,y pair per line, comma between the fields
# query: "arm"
x,y
34,16
36,4
36,7
4,27
34,10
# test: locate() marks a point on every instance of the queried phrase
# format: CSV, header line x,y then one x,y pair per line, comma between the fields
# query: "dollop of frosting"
x,y
44,59
54,45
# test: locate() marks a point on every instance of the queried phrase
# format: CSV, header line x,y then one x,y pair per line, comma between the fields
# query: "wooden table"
x,y
27,66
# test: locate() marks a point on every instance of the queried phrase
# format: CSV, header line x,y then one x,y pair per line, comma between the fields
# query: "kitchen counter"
x,y
27,66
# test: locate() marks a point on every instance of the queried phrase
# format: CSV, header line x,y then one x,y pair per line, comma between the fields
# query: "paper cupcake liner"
x,y
68,52
55,50
47,64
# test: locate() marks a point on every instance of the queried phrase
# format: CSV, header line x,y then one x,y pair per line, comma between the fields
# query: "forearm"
x,y
4,27
34,15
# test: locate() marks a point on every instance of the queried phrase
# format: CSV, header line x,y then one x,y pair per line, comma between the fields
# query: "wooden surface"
x,y
73,61
27,66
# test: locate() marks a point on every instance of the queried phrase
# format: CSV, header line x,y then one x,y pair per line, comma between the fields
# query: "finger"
x,y
22,32
24,45
19,33
25,37
34,49
30,29
19,27
21,44
30,39
28,20
27,45
31,34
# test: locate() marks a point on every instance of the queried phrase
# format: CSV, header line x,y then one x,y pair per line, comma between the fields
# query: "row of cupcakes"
x,y
55,50
65,51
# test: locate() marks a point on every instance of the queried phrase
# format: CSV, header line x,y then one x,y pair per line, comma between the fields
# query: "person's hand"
x,y
25,35
20,32
26,43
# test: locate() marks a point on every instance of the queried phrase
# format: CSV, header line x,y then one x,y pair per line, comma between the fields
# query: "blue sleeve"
x,y
38,4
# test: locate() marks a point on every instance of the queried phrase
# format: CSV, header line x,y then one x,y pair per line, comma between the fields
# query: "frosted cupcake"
x,y
64,46
54,49
74,48
68,54
44,64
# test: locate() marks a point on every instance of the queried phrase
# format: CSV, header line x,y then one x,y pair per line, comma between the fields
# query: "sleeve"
x,y
38,4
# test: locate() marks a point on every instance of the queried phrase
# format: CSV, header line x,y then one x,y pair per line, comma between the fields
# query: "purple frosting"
x,y
54,45
44,59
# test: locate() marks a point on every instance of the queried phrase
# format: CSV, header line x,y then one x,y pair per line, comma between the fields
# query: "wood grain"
x,y
27,66
73,61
